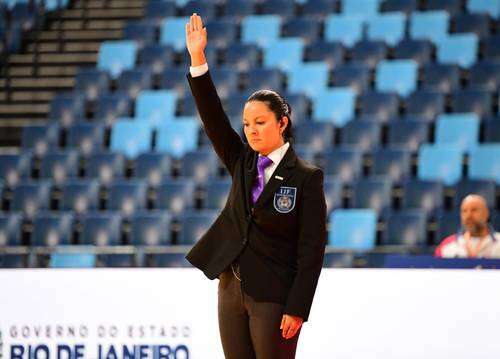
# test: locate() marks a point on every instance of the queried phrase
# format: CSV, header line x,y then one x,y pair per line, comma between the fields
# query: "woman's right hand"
x,y
196,40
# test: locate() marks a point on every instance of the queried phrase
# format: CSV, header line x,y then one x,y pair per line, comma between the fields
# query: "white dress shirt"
x,y
198,70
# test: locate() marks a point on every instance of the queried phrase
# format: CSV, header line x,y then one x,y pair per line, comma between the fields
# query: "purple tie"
x,y
262,163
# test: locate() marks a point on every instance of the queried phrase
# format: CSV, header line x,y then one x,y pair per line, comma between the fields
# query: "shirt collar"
x,y
277,155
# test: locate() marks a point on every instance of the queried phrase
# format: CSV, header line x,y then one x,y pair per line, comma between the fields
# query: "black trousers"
x,y
250,329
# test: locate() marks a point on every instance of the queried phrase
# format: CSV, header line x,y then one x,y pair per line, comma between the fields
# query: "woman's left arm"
x,y
311,247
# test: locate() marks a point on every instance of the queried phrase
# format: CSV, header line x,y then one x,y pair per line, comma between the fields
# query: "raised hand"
x,y
196,40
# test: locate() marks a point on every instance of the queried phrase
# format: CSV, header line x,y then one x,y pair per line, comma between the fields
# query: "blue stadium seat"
x,y
491,50
318,9
391,163
157,57
332,187
80,196
338,260
367,10
309,78
406,6
306,28
292,47
491,7
187,107
419,51
440,163
388,27
460,49
116,56
398,76
101,229
374,193
429,25
300,105
458,129
172,260
234,105
175,196
425,195
448,223
368,53
106,167
40,138
92,83
378,106
484,188
226,81
284,8
127,197
10,229
439,77
67,108
52,229
346,29
260,29
72,260
478,24
142,32
221,32
150,228
200,165
452,7
155,106
481,165
131,138
206,9
217,192
112,106
330,52
491,131
153,167
156,11
211,54
484,76
59,166
425,104
259,78
336,105
116,260
242,56
30,197
86,137
13,260
316,136
405,228
133,82
194,225
356,76
178,136
14,167
238,9
473,101
173,32
352,229
343,163
175,80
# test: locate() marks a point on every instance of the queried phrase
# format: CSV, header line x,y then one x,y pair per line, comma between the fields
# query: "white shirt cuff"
x,y
198,70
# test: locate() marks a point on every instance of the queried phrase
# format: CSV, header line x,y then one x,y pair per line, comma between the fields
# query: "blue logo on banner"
x,y
284,199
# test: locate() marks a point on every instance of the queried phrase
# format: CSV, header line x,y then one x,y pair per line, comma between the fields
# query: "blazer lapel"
x,y
284,170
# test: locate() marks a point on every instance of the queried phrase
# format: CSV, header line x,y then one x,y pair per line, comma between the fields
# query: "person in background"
x,y
476,239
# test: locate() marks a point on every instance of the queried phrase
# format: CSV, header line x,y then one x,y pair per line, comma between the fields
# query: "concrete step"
x,y
77,35
67,47
48,71
87,25
45,83
99,13
25,108
28,96
99,4
71,58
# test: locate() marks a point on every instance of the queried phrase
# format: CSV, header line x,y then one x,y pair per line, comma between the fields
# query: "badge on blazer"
x,y
284,199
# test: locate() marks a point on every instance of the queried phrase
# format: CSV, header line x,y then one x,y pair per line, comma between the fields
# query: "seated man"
x,y
476,239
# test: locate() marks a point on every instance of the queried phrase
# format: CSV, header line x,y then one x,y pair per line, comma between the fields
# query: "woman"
x,y
267,245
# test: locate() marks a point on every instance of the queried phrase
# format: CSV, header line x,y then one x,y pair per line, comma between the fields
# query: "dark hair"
x,y
278,105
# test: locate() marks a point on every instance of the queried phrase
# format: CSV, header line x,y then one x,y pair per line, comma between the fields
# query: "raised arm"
x,y
227,143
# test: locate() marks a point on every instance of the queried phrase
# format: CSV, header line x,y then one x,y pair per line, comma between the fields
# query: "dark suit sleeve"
x,y
311,247
227,143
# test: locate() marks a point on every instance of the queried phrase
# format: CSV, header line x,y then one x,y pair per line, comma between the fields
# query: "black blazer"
x,y
279,242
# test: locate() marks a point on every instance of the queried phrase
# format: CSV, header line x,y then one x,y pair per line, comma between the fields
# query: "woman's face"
x,y
262,130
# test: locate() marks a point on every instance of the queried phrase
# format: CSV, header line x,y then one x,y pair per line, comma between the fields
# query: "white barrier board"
x,y
172,313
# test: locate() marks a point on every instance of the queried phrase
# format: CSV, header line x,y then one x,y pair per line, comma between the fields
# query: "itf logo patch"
x,y
284,199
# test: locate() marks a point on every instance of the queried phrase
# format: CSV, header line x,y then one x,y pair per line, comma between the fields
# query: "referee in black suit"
x,y
267,245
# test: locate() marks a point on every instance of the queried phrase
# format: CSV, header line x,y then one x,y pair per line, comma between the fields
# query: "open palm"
x,y
196,35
